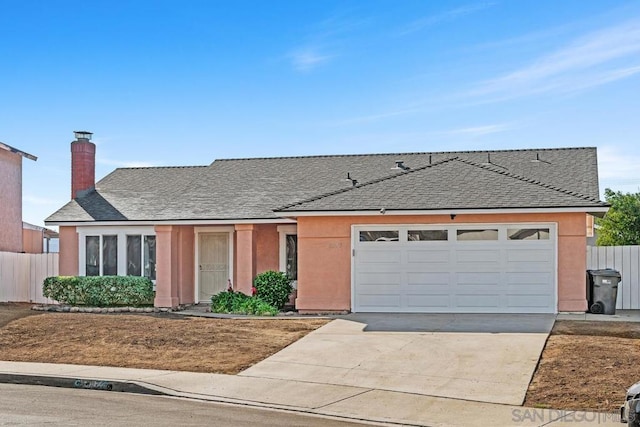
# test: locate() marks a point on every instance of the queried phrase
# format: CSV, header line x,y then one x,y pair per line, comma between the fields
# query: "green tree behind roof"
x,y
621,225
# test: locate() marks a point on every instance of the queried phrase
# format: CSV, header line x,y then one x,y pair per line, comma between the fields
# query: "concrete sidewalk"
x,y
347,402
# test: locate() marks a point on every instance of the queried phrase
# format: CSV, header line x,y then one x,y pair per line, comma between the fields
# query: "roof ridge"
x,y
162,167
373,181
412,153
17,151
501,171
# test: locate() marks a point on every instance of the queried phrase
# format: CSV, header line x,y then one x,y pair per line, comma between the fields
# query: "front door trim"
x,y
205,230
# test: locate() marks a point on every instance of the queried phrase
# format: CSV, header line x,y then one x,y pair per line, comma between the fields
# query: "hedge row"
x,y
99,291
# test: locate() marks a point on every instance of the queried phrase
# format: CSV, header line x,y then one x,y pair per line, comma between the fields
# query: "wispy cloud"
x,y
446,16
476,131
123,163
618,170
589,61
376,116
615,163
323,42
308,59
36,200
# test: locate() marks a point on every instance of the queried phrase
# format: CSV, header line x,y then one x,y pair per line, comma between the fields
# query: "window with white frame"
x,y
125,251
289,251
141,256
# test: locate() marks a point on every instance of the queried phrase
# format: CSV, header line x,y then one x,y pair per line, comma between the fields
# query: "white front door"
x,y
490,268
213,264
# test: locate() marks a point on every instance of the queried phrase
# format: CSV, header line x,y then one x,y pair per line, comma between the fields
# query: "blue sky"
x,y
186,82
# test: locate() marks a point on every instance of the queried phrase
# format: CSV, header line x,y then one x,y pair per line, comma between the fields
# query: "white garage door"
x,y
502,268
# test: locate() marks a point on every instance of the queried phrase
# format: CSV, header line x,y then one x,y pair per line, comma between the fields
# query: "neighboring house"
x,y
38,240
11,198
592,231
476,231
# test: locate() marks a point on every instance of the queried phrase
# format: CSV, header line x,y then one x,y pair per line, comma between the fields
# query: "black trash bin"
x,y
602,290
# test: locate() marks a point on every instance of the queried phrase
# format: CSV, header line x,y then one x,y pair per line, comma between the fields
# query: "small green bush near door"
x,y
239,303
99,291
273,287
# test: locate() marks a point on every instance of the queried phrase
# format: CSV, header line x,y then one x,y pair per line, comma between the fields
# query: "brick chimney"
x,y
83,164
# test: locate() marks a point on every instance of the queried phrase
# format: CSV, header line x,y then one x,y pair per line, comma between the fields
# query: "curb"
x,y
131,387
80,383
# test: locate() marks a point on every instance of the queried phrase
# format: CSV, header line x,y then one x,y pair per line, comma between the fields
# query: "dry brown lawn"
x,y
584,366
587,366
14,310
173,342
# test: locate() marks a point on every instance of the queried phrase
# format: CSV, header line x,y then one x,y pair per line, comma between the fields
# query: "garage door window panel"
x,y
379,236
427,235
486,234
528,234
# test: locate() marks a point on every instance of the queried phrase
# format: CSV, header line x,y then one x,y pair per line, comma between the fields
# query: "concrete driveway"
x,y
478,357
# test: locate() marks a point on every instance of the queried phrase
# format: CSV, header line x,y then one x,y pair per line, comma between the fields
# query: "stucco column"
x,y
245,257
572,262
167,249
186,258
68,258
572,289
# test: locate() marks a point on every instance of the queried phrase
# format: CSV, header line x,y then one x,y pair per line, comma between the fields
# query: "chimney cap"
x,y
82,134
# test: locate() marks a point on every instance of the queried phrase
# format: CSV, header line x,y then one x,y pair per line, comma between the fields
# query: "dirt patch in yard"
x,y
225,346
14,310
587,366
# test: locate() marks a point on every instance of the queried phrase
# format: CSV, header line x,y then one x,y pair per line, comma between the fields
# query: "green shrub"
x,y
273,287
99,291
239,303
227,301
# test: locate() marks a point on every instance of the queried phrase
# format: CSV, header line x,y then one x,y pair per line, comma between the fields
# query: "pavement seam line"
x,y
565,414
244,374
413,393
344,398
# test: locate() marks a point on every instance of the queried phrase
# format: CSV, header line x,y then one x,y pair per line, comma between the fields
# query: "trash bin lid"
x,y
607,272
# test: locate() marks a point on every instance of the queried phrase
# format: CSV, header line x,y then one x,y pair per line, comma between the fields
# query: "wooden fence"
x,y
21,276
625,259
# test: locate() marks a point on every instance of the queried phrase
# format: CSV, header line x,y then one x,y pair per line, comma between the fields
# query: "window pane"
x,y
379,236
92,250
110,255
487,234
150,257
528,233
292,256
134,255
427,235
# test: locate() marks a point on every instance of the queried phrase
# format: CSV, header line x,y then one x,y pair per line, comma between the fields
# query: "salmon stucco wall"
x,y
68,261
267,248
245,259
324,255
175,265
256,250
186,264
32,241
10,201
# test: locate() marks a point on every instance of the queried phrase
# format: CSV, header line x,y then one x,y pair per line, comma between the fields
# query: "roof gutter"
x,y
171,222
596,211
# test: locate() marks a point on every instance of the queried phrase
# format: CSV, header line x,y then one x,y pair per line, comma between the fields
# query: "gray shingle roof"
x,y
448,184
252,188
